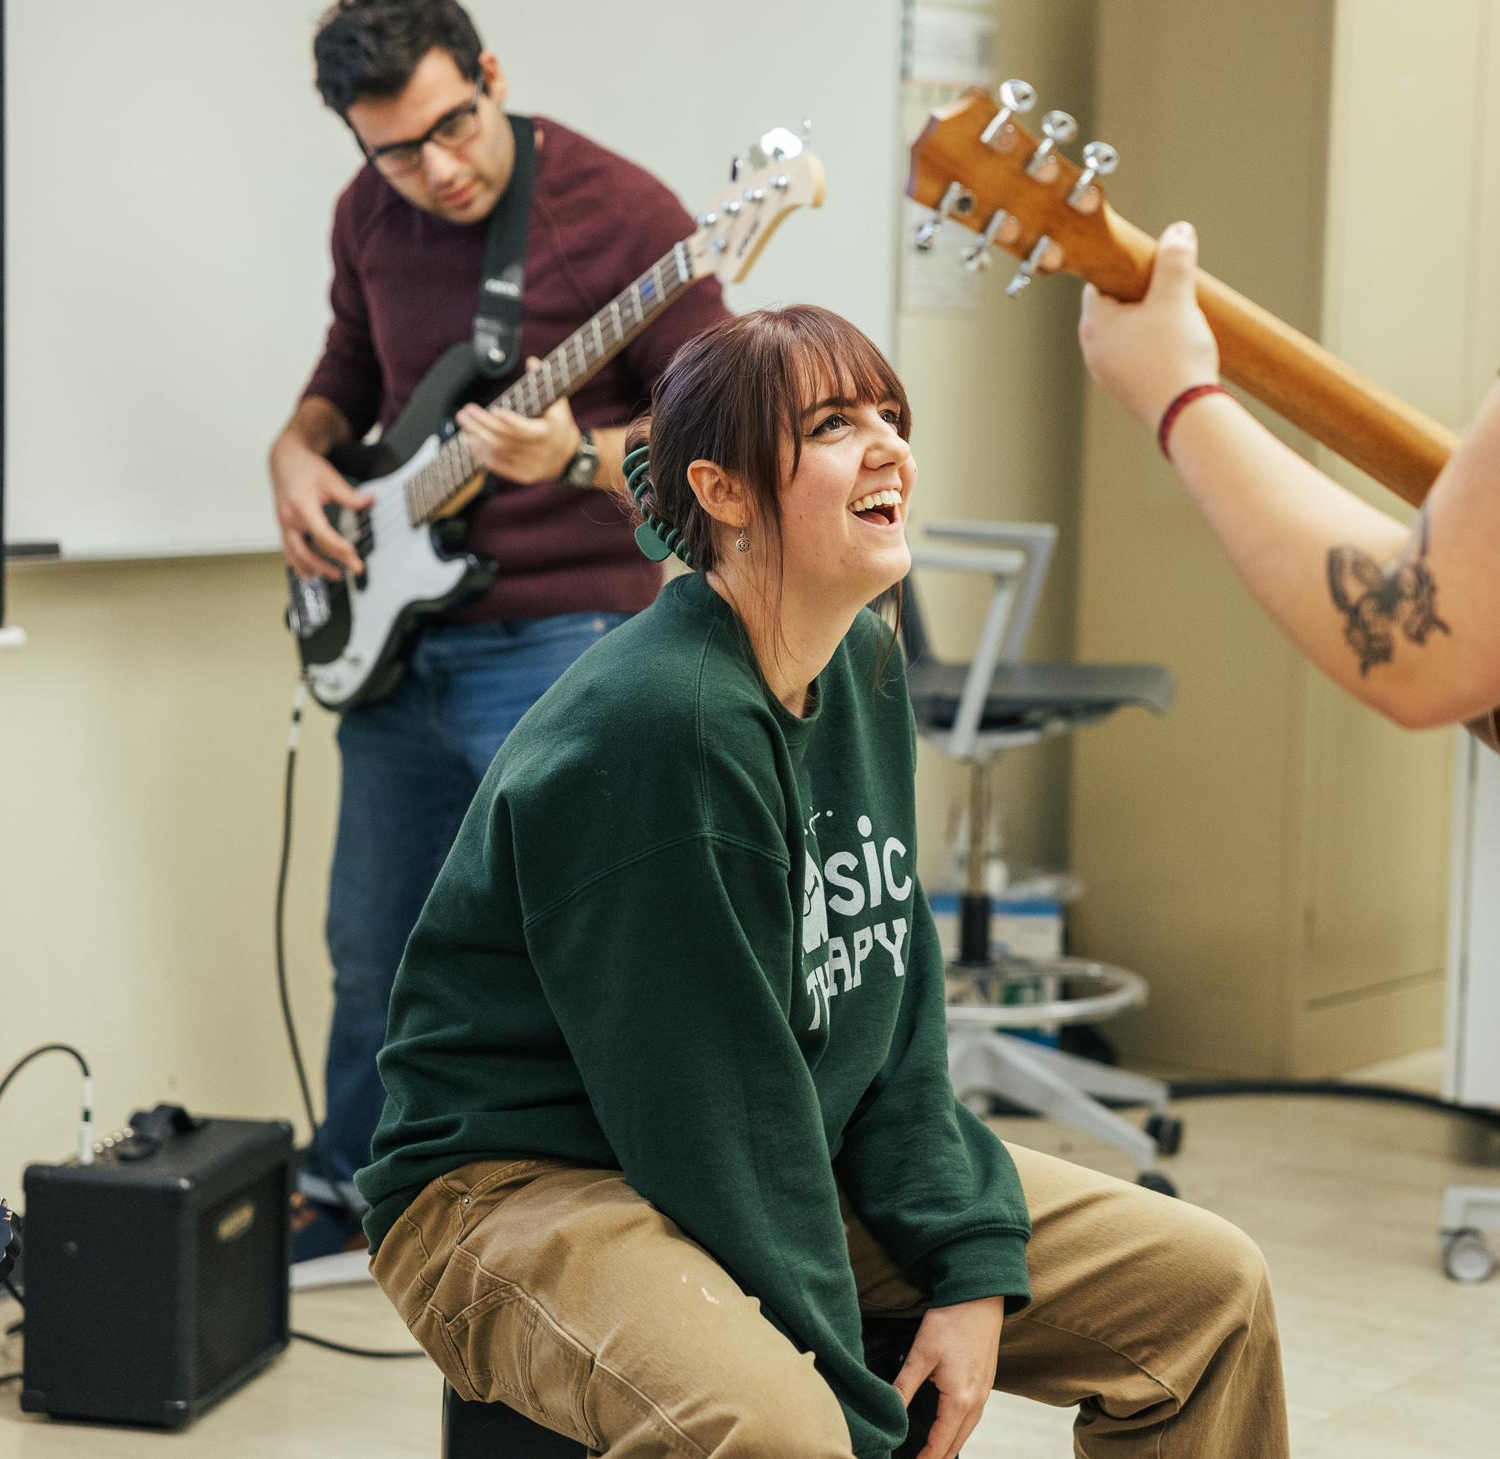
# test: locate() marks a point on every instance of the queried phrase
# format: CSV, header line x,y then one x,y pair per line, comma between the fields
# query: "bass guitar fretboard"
x,y
450,473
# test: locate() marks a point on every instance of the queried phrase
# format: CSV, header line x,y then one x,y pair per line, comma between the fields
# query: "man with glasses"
x,y
425,103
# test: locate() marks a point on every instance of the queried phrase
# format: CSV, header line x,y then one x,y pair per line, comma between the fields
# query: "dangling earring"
x,y
742,542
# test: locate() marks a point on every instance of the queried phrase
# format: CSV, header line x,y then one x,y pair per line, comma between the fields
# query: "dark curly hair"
x,y
369,48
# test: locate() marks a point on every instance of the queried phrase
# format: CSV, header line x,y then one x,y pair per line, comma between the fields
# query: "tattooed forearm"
x,y
1376,601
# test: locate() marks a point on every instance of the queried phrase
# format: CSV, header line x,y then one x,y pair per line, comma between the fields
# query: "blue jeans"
x,y
411,764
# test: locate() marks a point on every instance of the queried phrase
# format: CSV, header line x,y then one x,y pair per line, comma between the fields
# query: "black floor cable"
x,y
1086,1042
1330,1089
338,1347
294,735
11,1331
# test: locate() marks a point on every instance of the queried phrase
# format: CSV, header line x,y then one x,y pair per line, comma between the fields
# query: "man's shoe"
x,y
319,1230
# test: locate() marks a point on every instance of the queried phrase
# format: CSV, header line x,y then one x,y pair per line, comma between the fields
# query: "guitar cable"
x,y
293,741
86,1119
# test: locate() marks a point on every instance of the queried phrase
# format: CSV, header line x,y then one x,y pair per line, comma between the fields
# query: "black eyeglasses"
x,y
451,130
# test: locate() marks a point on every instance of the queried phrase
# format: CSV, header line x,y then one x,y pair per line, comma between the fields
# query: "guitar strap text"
x,y
497,321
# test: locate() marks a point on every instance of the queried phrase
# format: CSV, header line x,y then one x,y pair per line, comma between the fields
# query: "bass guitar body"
x,y
351,632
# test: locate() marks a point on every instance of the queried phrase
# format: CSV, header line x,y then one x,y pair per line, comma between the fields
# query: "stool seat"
x,y
496,1431
1033,696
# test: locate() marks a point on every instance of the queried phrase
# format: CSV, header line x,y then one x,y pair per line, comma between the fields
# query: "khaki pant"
x,y
559,1291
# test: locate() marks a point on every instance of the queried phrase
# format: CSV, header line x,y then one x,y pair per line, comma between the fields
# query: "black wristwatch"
x,y
584,466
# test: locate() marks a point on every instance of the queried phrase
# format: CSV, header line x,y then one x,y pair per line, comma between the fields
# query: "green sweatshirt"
x,y
681,935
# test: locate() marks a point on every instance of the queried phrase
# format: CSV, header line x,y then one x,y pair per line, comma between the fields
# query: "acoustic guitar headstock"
x,y
976,164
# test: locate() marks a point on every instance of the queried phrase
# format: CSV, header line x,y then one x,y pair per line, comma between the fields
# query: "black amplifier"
x,y
157,1278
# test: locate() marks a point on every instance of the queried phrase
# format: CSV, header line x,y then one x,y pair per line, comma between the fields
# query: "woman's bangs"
x,y
834,360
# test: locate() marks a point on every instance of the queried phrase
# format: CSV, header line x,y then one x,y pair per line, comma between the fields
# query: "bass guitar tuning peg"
x,y
777,145
1059,128
1099,160
957,200
1016,98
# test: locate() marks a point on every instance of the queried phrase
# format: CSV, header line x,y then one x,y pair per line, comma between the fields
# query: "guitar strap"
x,y
497,321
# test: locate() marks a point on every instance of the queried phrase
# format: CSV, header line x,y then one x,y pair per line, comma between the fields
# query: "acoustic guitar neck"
x,y
1303,382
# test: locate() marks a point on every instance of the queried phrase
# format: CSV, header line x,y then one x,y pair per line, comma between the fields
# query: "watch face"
x,y
584,466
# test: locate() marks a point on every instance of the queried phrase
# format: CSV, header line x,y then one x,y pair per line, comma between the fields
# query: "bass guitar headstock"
x,y
975,164
774,176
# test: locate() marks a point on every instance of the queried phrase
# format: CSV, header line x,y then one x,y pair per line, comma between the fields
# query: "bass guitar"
x,y
350,633
976,165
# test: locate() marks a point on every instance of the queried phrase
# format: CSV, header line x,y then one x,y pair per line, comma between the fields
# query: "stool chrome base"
x,y
987,1064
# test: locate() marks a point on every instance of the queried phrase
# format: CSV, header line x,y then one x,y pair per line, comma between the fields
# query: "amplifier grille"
x,y
241,1246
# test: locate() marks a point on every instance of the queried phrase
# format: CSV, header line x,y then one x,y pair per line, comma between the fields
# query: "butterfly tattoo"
x,y
1376,601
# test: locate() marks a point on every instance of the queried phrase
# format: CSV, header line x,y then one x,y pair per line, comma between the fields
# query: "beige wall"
x,y
1171,825
142,744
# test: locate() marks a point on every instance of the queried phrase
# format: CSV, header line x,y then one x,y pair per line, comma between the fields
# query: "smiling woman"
x,y
807,429
667,1087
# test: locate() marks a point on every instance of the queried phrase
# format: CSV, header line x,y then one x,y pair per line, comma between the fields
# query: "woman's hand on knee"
x,y
958,1348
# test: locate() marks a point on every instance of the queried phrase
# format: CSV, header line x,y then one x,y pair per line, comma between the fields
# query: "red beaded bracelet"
x,y
1179,403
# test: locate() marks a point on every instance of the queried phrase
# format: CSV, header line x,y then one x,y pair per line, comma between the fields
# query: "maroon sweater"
x,y
405,286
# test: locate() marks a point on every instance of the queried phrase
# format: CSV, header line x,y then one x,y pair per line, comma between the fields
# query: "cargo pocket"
x,y
506,1347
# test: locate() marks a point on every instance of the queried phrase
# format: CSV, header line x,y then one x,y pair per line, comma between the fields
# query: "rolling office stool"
x,y
493,1431
973,713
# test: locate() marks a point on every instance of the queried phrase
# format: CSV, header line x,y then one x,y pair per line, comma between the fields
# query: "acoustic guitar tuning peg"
x,y
1016,98
1059,128
978,256
958,199
1099,160
1031,263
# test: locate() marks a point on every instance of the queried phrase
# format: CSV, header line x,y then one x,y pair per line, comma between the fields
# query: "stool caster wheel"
x,y
1154,1180
1467,1256
1166,1130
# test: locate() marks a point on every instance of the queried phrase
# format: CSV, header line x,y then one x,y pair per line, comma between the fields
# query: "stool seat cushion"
x,y
1023,696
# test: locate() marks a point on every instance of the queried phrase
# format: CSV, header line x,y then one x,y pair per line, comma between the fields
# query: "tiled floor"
x,y
1386,1358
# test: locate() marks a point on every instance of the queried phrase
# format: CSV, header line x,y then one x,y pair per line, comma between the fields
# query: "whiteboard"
x,y
171,174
